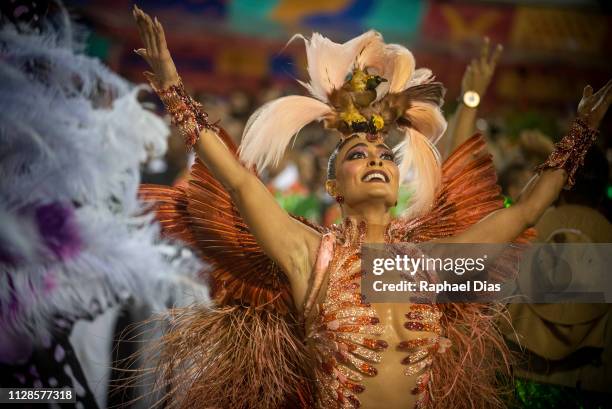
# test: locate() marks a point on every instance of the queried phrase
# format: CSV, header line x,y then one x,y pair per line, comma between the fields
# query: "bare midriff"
x,y
391,388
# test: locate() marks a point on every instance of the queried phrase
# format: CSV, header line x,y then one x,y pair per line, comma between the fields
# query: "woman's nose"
x,y
374,163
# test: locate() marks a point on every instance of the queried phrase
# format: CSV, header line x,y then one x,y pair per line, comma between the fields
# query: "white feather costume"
x,y
74,237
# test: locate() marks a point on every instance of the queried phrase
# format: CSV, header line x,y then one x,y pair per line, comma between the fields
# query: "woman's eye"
x,y
357,155
388,156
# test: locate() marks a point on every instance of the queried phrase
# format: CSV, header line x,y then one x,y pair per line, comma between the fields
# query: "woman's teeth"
x,y
375,175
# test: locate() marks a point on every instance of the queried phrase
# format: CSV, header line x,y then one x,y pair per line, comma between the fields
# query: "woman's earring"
x,y
395,205
340,199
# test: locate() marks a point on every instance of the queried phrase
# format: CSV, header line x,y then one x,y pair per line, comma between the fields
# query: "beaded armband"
x,y
570,151
186,113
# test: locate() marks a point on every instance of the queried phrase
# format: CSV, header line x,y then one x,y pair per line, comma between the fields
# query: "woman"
x,y
269,337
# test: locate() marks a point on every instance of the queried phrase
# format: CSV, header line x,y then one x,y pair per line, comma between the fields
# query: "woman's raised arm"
x,y
474,85
290,243
503,226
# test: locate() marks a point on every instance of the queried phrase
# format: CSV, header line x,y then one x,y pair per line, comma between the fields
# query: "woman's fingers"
x,y
603,90
145,30
143,53
473,65
600,103
593,106
161,37
606,96
468,79
496,55
150,32
139,25
155,52
484,51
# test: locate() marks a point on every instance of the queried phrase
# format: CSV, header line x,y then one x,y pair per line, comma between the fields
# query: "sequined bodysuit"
x,y
367,353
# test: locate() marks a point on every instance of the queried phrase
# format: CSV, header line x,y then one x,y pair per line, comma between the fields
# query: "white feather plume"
x,y
72,132
393,62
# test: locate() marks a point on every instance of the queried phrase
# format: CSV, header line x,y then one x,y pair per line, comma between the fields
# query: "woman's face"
x,y
366,171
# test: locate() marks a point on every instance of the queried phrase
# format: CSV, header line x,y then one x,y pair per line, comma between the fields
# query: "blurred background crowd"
x,y
234,56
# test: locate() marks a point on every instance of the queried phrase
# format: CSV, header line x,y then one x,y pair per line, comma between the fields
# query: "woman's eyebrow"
x,y
355,146
383,146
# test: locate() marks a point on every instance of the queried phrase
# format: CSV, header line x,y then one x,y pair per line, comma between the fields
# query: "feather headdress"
x,y
363,85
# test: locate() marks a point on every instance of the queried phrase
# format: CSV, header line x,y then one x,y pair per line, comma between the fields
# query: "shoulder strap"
x,y
324,256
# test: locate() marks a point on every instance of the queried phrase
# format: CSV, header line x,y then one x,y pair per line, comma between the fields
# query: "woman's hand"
x,y
477,78
593,107
478,74
156,52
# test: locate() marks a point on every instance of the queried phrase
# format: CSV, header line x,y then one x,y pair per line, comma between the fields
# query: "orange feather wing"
x,y
468,193
202,214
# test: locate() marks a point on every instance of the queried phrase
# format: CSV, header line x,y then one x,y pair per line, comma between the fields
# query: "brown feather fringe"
x,y
432,93
232,357
474,372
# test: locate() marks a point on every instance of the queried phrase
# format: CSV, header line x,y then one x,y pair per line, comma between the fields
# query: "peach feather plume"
x,y
329,63
391,61
420,163
427,119
270,129
420,169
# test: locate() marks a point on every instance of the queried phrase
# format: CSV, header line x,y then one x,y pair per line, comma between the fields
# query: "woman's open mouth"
x,y
375,176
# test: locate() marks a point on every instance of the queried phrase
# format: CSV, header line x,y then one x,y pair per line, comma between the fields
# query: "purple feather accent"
x,y
49,282
58,229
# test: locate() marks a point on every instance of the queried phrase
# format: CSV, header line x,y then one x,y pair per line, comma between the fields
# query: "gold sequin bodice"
x,y
368,355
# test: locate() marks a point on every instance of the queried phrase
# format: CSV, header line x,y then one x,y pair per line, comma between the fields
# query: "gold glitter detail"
x,y
350,373
415,356
352,312
423,317
186,113
418,366
418,342
367,354
421,389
